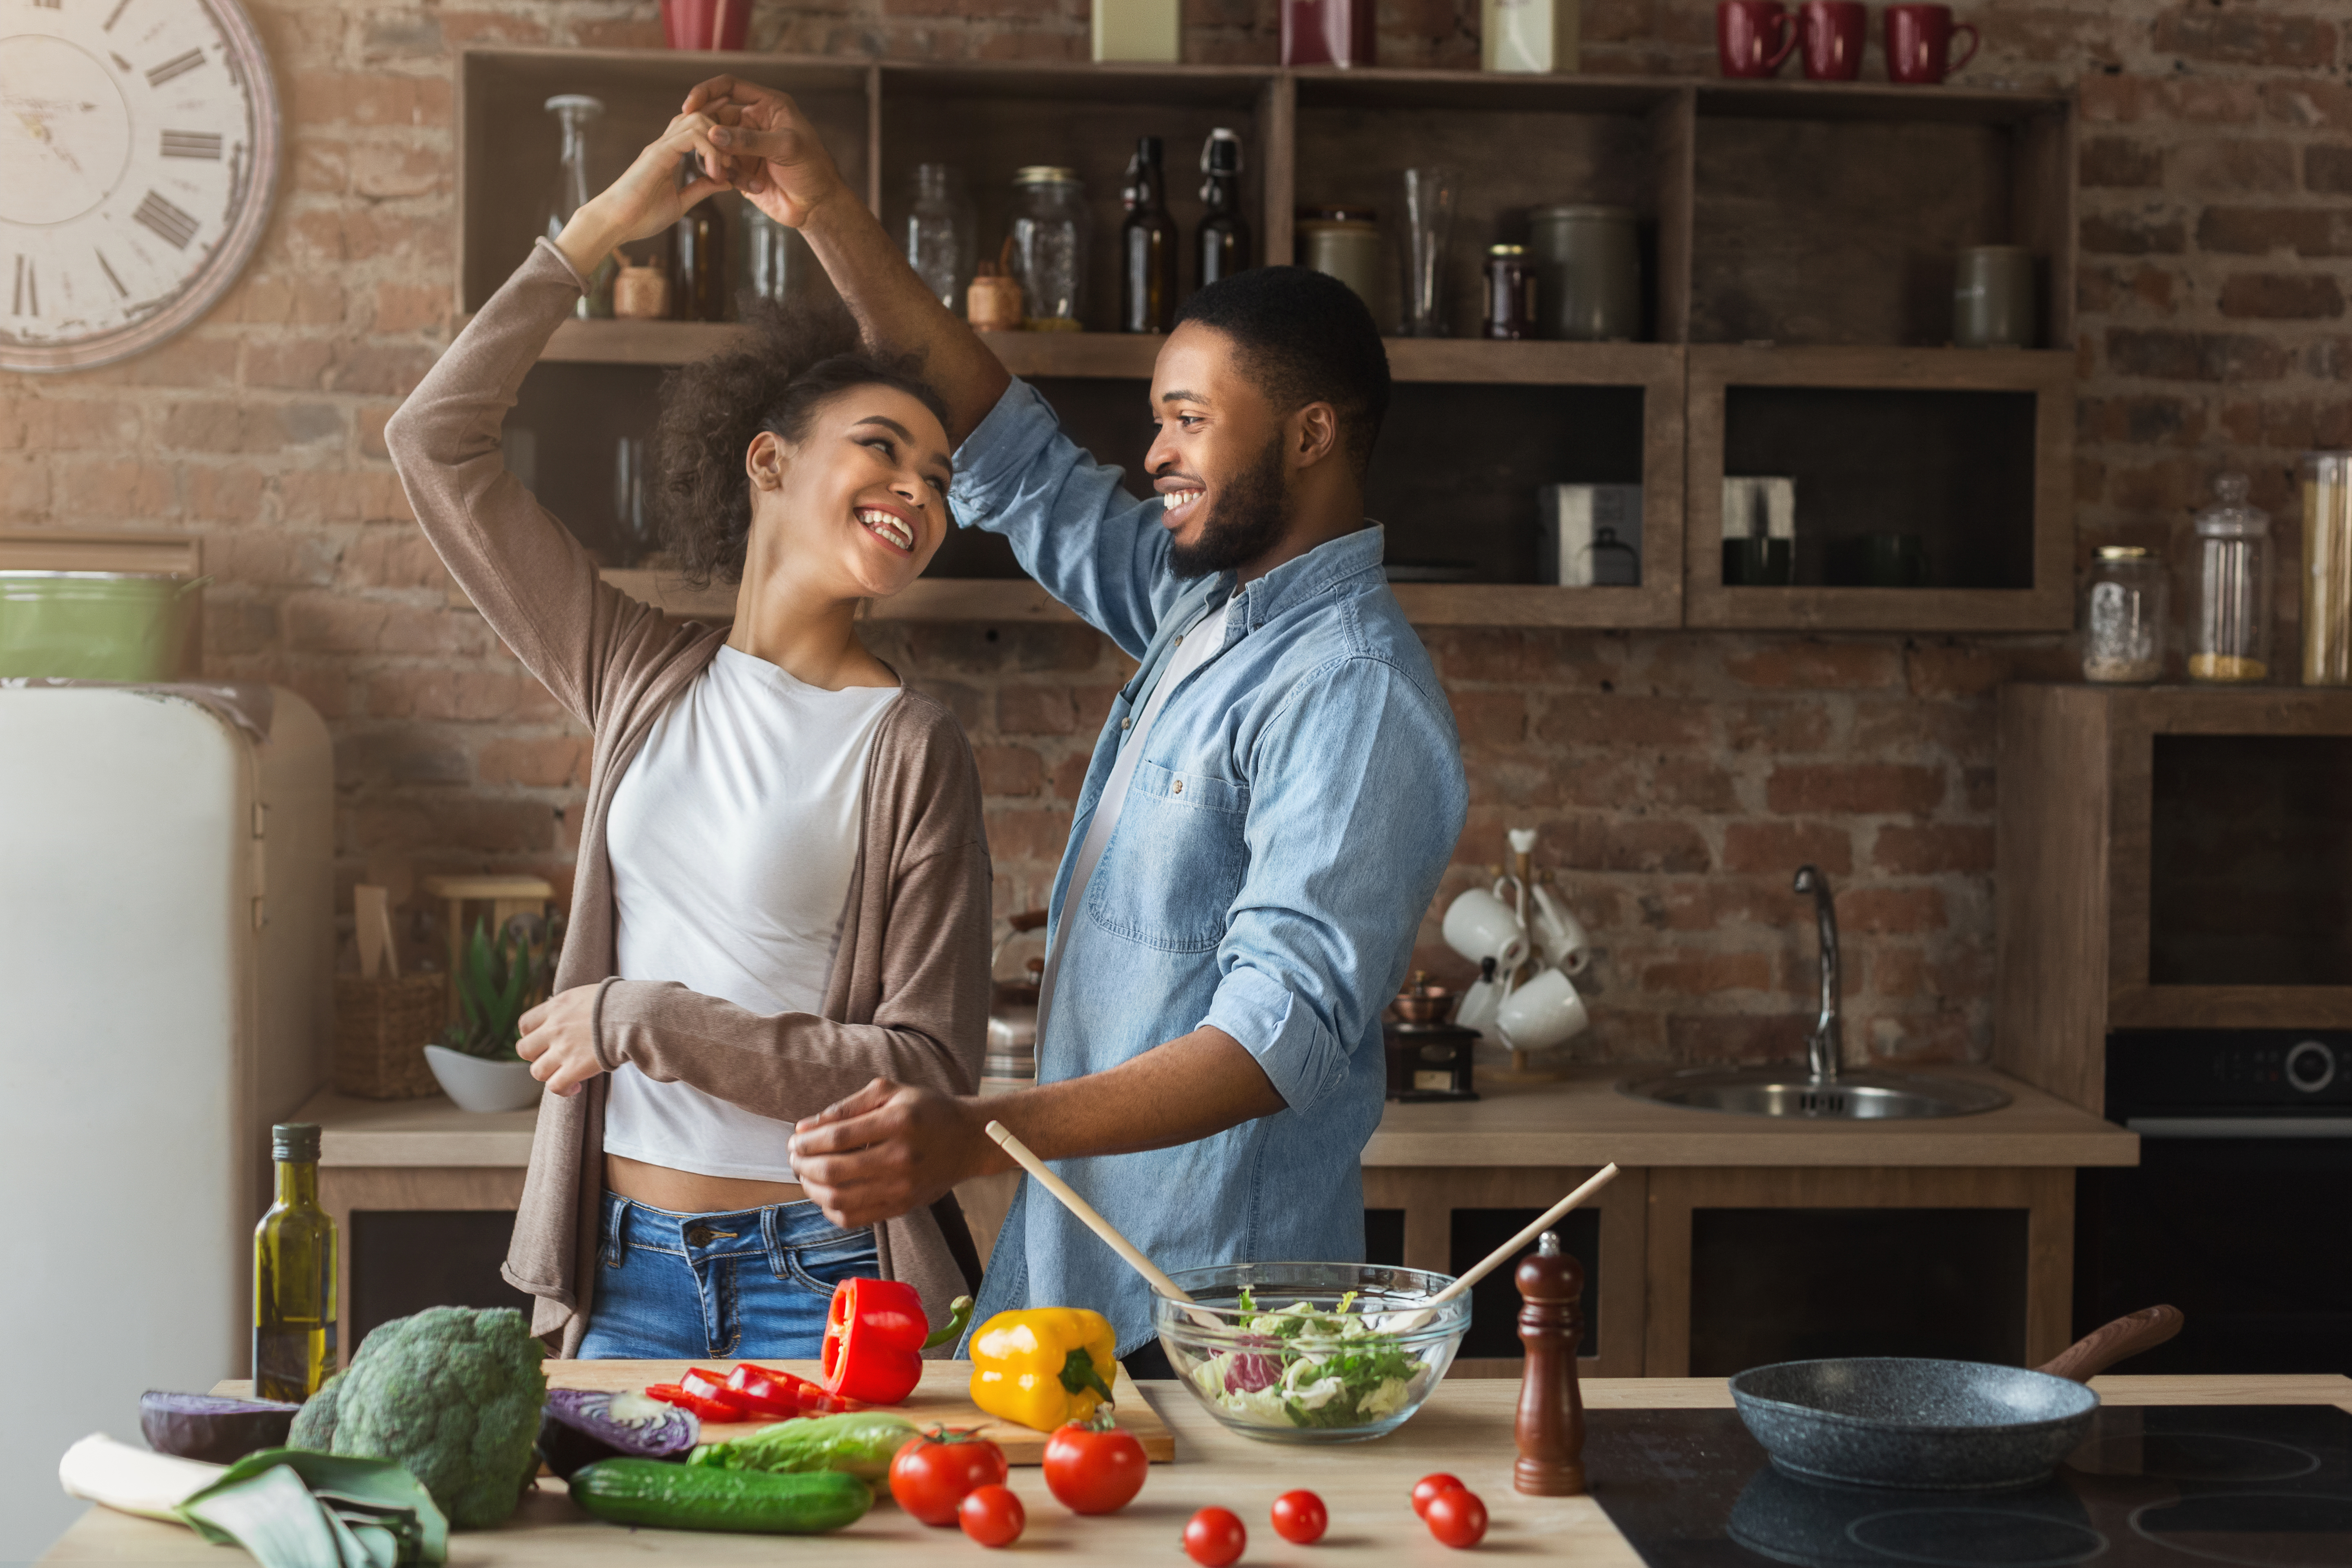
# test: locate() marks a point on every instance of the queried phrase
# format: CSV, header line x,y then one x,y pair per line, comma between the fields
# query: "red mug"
x,y
1752,37
1919,42
1833,31
706,24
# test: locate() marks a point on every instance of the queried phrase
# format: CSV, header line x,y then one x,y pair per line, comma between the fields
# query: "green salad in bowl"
x,y
1310,1353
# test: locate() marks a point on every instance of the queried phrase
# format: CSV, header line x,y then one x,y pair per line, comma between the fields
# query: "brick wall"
x,y
1677,778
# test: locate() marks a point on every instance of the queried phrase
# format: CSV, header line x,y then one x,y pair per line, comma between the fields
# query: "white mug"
x,y
1544,1012
1479,926
1476,1008
1559,936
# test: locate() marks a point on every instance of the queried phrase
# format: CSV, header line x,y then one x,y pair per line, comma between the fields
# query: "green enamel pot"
x,y
96,626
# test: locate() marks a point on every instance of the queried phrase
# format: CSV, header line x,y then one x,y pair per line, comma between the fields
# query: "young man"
x,y
1267,812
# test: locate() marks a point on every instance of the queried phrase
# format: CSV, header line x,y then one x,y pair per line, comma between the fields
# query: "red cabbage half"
x,y
581,1425
211,1427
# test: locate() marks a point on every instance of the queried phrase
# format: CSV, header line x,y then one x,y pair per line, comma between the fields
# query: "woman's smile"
x,y
889,524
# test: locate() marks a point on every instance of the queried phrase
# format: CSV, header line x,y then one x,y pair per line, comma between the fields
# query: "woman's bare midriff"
x,y
684,1192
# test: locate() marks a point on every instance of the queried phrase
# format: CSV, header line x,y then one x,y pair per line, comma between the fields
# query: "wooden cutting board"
x,y
942,1397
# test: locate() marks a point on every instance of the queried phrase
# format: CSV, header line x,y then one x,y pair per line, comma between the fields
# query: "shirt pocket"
x,y
1175,862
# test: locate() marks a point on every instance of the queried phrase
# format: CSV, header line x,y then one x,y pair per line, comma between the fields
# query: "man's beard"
x,y
1250,514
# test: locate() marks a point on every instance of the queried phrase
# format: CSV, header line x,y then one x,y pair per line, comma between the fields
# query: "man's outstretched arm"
x,y
777,161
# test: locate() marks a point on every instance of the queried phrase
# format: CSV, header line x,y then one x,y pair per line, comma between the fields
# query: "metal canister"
x,y
1345,242
1510,292
1589,264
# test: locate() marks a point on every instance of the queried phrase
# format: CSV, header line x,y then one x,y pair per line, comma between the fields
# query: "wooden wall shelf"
x,y
1735,184
2150,859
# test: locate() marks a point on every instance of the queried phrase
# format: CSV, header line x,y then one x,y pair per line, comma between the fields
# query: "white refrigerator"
x,y
166,944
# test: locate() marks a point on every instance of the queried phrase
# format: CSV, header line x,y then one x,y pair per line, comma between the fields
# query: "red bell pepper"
x,y
779,1396
708,1409
875,1336
711,1386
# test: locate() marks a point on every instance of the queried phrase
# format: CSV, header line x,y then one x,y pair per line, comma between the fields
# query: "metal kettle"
x,y
1012,1058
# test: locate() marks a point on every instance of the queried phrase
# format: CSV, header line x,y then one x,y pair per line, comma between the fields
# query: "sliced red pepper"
x,y
708,1409
706,1385
874,1334
772,1396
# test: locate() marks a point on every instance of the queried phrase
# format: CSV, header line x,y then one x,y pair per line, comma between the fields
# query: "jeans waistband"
x,y
772,1229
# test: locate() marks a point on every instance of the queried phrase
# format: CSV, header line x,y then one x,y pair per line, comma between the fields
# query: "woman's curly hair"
x,y
788,361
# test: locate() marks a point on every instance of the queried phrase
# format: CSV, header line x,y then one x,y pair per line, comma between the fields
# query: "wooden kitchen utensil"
x,y
1420,1316
1085,1216
382,1020
1550,1425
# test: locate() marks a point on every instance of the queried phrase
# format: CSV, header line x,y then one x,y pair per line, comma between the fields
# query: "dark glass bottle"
x,y
1147,246
294,1275
699,290
1224,237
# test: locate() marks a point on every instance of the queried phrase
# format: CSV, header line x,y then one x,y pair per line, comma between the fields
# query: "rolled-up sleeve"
x,y
1356,801
1070,520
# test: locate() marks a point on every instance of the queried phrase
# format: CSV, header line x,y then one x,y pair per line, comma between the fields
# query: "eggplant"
x,y
582,1425
212,1427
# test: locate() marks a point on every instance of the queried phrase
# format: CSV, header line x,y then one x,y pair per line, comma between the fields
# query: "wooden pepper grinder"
x,y
1550,1430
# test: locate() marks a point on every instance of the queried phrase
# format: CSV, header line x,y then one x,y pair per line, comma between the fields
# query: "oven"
x,y
2240,1212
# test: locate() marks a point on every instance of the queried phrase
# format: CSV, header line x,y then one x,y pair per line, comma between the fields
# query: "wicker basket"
x,y
381,1027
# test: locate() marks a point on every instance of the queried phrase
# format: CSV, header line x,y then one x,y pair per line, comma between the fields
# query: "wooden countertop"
x,y
1582,1121
1464,1428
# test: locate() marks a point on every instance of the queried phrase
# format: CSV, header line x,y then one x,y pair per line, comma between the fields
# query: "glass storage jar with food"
x,y
1049,246
2327,569
2122,616
2229,624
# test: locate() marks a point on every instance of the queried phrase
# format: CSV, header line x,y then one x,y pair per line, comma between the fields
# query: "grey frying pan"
x,y
1900,1421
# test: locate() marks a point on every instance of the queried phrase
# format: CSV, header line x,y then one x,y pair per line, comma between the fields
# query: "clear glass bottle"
x,y
1049,247
294,1275
572,111
2327,569
1147,246
1223,241
2124,616
2229,630
942,237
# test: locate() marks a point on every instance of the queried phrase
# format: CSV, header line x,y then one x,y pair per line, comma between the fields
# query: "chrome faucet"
x,y
1821,1046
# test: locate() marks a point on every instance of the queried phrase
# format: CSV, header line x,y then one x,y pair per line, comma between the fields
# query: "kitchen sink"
x,y
1789,1092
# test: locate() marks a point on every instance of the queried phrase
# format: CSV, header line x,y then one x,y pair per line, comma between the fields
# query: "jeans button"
x,y
698,1236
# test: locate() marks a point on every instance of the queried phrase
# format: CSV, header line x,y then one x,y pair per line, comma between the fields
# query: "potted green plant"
x,y
474,1061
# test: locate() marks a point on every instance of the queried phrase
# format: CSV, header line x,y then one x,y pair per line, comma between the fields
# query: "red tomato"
x,y
991,1515
1214,1538
1429,1487
1300,1517
1456,1517
931,1474
1092,1470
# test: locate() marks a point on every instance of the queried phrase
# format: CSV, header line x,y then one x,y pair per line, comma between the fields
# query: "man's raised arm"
x,y
777,161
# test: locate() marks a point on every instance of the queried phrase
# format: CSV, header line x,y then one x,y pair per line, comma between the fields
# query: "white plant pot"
x,y
484,1086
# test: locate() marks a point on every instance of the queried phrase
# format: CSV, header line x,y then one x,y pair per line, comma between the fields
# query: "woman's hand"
x,y
773,154
647,198
559,1035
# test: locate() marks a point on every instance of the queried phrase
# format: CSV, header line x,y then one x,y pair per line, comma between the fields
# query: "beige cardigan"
x,y
908,993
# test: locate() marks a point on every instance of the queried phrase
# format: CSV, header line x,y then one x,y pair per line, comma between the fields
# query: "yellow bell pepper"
x,y
1043,1366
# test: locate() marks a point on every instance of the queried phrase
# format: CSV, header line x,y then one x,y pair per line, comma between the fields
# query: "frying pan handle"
x,y
2102,1348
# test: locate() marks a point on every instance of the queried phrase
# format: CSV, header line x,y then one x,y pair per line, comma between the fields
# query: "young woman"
x,y
783,888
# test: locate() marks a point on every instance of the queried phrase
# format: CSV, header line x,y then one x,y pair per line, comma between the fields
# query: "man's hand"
x,y
558,1039
773,154
888,1149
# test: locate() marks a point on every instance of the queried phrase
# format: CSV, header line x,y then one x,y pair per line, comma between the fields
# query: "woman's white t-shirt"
x,y
732,836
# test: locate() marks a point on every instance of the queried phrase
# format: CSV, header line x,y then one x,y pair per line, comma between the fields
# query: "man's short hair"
x,y
1303,337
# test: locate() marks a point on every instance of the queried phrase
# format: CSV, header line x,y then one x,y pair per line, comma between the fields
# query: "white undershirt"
x,y
732,836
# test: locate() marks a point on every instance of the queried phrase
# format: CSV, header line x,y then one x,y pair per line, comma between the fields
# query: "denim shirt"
x,y
1298,797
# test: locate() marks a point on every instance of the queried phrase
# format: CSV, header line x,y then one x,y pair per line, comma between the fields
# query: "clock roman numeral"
x,y
48,5
28,300
115,16
179,64
173,227
107,268
190,144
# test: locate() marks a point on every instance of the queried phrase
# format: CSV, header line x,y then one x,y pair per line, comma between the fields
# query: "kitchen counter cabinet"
x,y
1466,1428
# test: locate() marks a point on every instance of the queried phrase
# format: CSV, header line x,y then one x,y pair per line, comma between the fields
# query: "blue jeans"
x,y
754,1284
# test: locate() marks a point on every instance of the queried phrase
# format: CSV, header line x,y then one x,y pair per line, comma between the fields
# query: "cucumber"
x,y
683,1497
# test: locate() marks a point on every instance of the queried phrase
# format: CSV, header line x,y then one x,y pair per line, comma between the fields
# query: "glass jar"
x,y
2229,632
942,240
776,262
1345,243
1049,246
1510,292
2327,569
2122,616
1589,260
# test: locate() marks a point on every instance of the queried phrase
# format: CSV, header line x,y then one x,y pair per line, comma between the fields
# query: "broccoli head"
x,y
454,1395
314,1424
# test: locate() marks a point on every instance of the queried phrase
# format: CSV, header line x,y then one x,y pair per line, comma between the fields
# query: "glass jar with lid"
x,y
2122,616
2327,569
2229,622
1049,246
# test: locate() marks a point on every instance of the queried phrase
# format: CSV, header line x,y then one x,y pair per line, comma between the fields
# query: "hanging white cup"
x,y
1558,935
1543,1012
1480,926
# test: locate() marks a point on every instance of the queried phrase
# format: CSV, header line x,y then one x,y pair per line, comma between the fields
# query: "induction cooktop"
x,y
2152,1486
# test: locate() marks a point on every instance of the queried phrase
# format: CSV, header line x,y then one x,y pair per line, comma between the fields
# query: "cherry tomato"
x,y
1094,1469
1213,1538
1300,1517
1429,1487
993,1516
930,1474
1456,1517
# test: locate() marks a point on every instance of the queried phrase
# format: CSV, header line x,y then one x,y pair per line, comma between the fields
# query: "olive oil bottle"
x,y
294,1275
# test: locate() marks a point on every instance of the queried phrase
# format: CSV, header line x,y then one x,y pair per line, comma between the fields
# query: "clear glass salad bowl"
x,y
1309,1352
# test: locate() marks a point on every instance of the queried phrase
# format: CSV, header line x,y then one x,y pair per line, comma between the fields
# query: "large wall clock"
x,y
139,149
